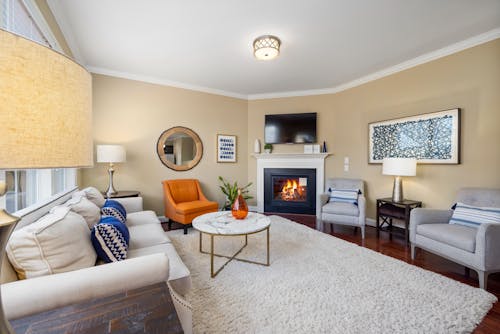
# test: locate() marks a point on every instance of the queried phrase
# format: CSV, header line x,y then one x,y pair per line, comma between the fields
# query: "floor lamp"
x,y
46,117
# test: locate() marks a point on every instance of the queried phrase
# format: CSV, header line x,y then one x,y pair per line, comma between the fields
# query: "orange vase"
x,y
239,209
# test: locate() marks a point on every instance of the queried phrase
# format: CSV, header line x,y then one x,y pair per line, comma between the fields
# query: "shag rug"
x,y
321,284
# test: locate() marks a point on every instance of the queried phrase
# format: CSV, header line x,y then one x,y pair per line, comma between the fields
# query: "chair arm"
x,y
131,204
362,210
184,310
323,198
419,216
488,245
34,295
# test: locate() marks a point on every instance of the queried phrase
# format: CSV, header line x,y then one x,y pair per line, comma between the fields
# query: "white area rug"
x,y
321,284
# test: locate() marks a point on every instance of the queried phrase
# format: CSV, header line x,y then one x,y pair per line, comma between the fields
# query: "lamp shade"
x,y
111,153
399,166
45,107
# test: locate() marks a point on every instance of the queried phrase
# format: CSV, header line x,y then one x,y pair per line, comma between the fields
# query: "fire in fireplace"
x,y
290,189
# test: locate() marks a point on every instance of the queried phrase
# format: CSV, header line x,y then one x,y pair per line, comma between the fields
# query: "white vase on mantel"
x,y
256,146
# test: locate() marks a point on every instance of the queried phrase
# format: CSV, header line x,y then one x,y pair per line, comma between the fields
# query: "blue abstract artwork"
x,y
226,148
431,138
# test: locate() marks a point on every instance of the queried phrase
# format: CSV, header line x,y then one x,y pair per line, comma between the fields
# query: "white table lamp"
x,y
111,154
45,115
399,167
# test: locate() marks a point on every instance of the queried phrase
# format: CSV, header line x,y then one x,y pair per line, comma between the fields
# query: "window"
x,y
28,187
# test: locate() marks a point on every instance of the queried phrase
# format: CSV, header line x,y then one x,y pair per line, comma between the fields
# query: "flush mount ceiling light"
x,y
266,47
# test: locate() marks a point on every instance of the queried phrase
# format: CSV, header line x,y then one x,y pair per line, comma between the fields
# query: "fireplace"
x,y
290,190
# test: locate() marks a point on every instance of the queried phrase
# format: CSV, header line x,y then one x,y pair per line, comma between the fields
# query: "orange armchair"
x,y
185,201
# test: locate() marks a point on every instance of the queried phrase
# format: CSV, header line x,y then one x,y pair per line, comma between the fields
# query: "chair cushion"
x,y
344,195
85,208
56,243
459,236
142,218
147,235
183,190
110,239
341,208
114,209
474,216
187,208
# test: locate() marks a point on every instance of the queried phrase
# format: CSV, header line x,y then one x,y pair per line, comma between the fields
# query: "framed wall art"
x,y
432,138
226,148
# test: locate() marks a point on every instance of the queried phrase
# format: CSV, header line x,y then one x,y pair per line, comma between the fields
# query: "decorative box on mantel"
x,y
285,164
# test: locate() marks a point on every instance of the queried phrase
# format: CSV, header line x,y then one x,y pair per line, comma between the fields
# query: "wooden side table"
x,y
387,210
123,194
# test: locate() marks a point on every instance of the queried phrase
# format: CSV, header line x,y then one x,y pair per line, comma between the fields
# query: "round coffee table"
x,y
224,224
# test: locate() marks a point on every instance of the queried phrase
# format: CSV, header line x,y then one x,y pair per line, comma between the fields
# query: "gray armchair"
x,y
475,248
344,213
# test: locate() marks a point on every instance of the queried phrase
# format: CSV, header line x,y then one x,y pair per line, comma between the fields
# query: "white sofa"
x,y
151,259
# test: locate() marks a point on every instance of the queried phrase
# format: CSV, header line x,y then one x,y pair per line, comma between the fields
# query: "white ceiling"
x,y
327,45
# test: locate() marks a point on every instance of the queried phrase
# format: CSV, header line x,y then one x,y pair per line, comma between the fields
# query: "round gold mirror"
x,y
179,148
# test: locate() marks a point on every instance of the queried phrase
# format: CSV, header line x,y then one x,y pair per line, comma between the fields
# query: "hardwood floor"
x,y
395,247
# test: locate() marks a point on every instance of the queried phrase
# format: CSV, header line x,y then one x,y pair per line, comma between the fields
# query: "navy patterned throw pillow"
x,y
110,239
114,209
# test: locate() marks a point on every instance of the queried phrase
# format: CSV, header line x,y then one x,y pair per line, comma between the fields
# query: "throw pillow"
x,y
93,195
114,209
344,195
110,239
85,208
58,242
474,216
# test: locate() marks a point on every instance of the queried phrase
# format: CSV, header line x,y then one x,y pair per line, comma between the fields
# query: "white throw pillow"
x,y
92,195
85,208
58,242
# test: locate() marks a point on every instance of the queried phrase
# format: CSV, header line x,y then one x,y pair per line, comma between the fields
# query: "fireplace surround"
x,y
314,161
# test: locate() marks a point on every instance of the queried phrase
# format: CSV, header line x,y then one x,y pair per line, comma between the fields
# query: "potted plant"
x,y
268,148
231,192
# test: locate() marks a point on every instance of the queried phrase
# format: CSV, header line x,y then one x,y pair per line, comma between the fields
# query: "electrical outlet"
x,y
346,168
346,160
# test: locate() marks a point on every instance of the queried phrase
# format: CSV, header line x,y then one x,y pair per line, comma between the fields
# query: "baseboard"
x,y
371,222
252,208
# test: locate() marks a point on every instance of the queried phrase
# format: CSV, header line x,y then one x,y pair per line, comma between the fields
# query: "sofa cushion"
x,y
458,236
85,208
110,239
142,218
183,190
187,208
147,235
474,216
344,195
58,242
179,274
93,195
341,208
114,209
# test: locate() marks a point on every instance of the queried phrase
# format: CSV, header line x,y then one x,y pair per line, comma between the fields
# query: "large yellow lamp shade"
x,y
45,107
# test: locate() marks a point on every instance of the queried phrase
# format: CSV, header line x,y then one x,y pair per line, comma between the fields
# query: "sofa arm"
x,y
131,204
488,246
31,296
419,216
323,199
362,210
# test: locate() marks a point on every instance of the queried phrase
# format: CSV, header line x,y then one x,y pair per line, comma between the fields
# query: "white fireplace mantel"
x,y
291,160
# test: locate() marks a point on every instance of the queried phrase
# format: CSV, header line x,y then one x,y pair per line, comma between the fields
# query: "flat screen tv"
x,y
290,128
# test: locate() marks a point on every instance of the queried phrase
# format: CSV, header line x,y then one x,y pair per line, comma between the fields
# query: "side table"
x,y
387,210
123,194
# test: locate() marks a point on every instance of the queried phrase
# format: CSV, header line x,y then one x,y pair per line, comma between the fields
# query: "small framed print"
x,y
226,148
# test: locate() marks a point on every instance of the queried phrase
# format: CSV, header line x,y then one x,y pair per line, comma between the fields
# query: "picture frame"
x,y
432,138
226,148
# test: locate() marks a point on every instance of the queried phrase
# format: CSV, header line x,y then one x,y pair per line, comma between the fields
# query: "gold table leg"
x,y
233,257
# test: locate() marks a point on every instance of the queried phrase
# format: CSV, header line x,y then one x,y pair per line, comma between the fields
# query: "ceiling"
x,y
327,45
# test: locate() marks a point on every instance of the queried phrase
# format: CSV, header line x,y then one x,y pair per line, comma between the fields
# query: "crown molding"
x,y
425,58
164,82
66,30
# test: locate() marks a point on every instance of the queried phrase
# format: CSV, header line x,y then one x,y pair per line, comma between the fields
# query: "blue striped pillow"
x,y
344,195
110,238
115,209
474,216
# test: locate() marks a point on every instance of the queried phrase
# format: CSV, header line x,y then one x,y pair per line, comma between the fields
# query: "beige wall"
x,y
469,80
135,114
